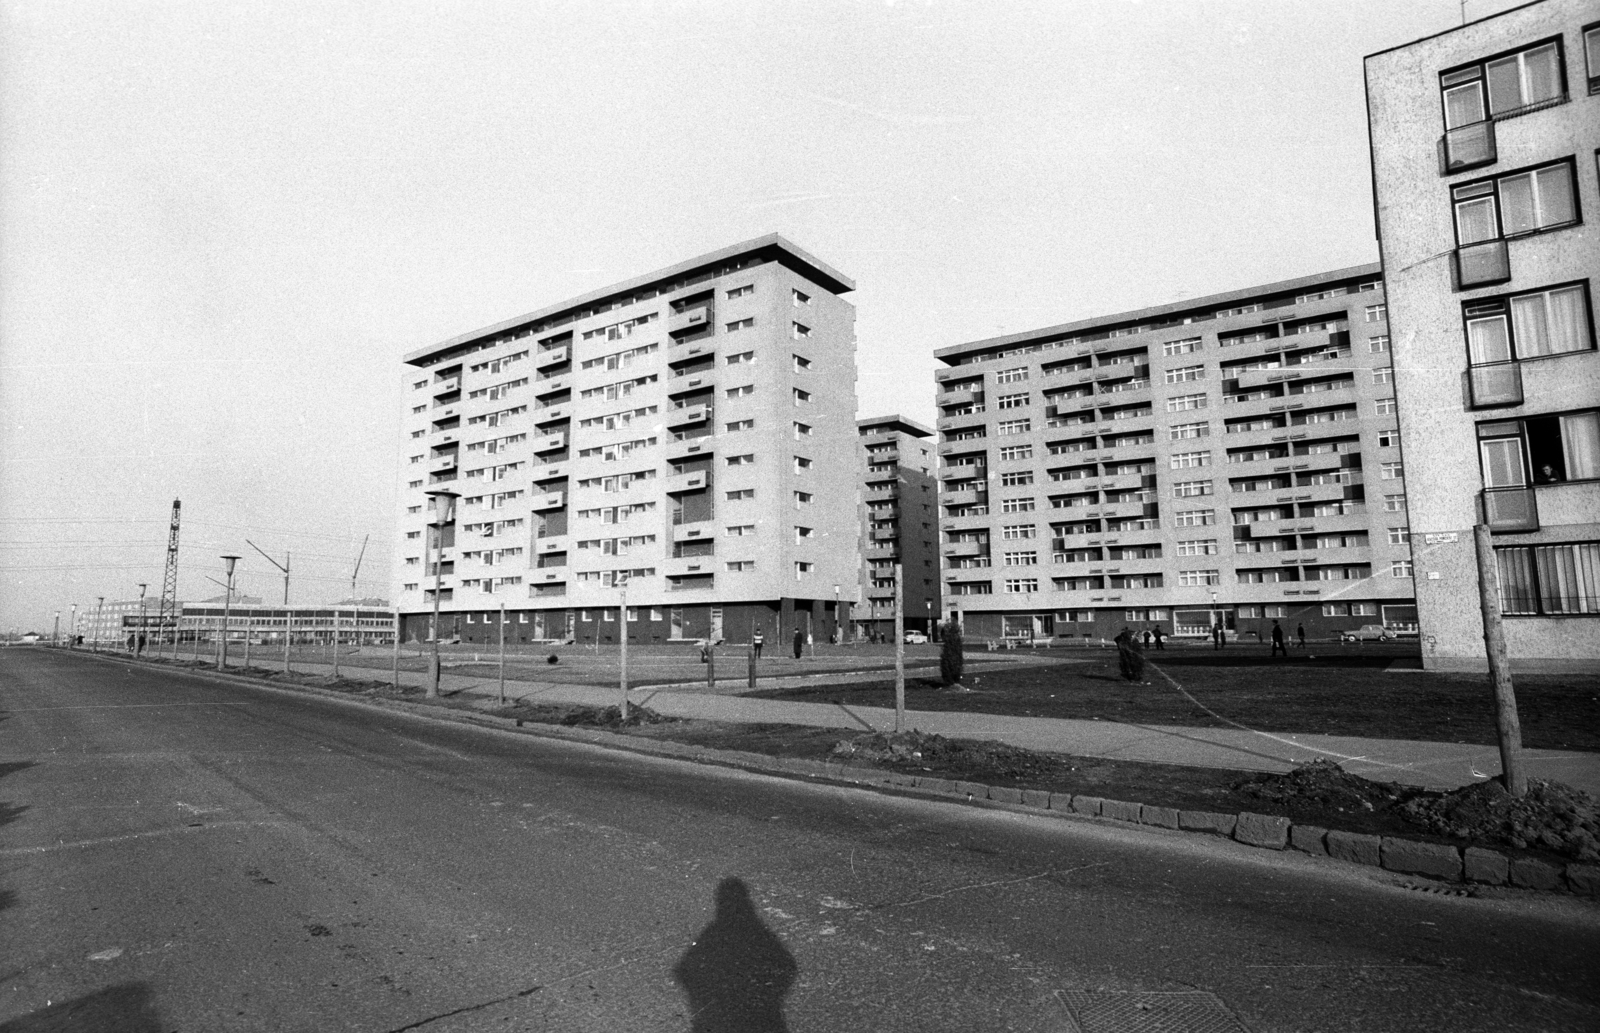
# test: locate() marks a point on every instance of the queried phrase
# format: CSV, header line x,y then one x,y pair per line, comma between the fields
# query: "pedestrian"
x,y
1277,641
1130,658
1161,638
1219,638
1300,633
799,642
1147,638
755,641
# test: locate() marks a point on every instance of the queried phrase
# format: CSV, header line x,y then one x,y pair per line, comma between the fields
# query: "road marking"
x,y
106,955
116,706
25,851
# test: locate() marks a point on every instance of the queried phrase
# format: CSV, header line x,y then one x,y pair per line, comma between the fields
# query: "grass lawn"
x,y
1337,690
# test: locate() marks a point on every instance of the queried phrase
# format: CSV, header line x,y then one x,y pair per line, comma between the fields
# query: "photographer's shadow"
x,y
737,972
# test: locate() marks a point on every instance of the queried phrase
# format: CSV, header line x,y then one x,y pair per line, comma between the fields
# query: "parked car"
x,y
1367,633
915,638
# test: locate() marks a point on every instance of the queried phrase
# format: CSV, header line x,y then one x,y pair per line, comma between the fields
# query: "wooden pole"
x,y
623,674
336,643
711,663
750,652
1494,641
899,655
503,653
396,650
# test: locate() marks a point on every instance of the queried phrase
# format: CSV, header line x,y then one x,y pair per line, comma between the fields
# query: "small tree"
x,y
951,658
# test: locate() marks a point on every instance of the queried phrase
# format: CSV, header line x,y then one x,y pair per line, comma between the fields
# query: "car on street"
x,y
1367,633
915,638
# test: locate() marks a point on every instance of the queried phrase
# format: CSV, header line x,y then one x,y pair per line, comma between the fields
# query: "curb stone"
x,y
1438,860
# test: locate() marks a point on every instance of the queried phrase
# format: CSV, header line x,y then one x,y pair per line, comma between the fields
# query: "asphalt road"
x,y
178,854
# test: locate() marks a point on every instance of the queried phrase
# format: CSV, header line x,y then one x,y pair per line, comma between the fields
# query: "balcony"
x,y
962,498
881,494
550,546
546,577
688,415
680,384
961,421
947,448
695,530
685,566
696,317
1467,147
552,414
962,472
448,384
549,500
1510,509
1482,264
549,443
953,398
551,357
686,448
960,550
882,552
551,386
885,534
679,483
1495,384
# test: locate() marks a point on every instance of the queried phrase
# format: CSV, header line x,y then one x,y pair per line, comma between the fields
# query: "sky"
x,y
222,225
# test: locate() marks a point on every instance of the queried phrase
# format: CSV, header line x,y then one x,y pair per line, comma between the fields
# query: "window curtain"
x,y
1553,196
1580,445
1516,580
1502,463
1487,340
1475,221
1463,105
1567,578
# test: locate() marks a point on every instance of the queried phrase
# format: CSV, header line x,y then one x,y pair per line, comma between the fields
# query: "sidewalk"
x,y
1430,765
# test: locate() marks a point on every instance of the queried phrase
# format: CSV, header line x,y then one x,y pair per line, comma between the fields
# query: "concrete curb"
x,y
1437,861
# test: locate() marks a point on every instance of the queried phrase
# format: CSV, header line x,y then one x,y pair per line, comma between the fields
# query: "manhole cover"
x,y
1137,1011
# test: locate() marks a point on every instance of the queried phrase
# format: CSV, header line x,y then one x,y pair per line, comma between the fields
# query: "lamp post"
x,y
72,628
1216,618
227,610
838,618
138,636
443,506
623,674
99,626
55,632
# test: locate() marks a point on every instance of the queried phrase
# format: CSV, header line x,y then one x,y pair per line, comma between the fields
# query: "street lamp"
x,y
443,513
838,618
55,632
622,583
1218,636
72,628
99,621
227,609
138,636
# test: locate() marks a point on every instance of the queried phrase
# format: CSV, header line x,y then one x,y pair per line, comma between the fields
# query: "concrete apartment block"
x,y
1229,459
689,432
1484,143
900,524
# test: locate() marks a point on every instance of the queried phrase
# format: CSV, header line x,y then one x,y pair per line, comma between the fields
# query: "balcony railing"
x,y
1510,509
1495,384
1467,147
1481,264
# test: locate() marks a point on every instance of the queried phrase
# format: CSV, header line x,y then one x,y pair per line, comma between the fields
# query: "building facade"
x,y
684,438
1232,459
1484,149
899,525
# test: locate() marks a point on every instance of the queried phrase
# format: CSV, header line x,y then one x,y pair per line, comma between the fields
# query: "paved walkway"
x,y
1431,765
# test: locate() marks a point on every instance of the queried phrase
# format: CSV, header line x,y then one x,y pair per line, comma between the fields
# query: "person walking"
x,y
1277,641
799,642
1300,633
1160,638
756,640
1147,638
1219,637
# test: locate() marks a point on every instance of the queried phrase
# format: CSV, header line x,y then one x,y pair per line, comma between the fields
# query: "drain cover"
x,y
1136,1011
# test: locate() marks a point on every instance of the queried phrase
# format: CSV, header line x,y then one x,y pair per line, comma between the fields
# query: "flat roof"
x,y
1453,28
781,249
1141,315
896,422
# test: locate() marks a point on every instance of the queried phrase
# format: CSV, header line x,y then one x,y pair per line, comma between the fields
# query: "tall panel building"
x,y
1484,148
1232,459
688,433
900,524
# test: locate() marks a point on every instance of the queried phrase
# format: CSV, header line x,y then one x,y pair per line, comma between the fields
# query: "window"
x,y
738,425
740,565
803,498
1191,578
802,430
740,530
1335,609
1183,403
1017,479
413,534
801,397
803,567
413,509
418,433
1184,460
1011,376
1378,344
739,358
1179,431
1399,536
739,292
1198,547
1022,585
1515,204
1550,579
1389,439
1400,568
801,363
1377,313
742,460
1190,489
419,408
1554,448
1180,374
1512,83
1183,347
1013,427
1591,56
1383,375
1022,559
741,391
800,330
1194,518
1009,453
1015,531
741,324
1012,401
1016,505
1528,326
413,484
741,494
802,533
1394,503
1384,407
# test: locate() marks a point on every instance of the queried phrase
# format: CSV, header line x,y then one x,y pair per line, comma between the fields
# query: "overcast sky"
x,y
221,225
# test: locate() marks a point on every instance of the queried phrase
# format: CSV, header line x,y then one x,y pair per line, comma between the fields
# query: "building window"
x,y
1016,505
801,397
803,567
1198,547
1384,407
801,363
1011,376
1005,427
739,425
741,324
1550,580
1400,568
1022,585
1183,460
1394,503
802,430
1015,531
741,391
1399,536
803,498
739,292
1180,374
798,298
1528,326
1383,375
1012,401
802,533
1190,489
1515,203
742,460
1008,453
1376,313
801,463
1022,559
414,484
1183,403
740,565
741,494
1017,479
1591,55
1179,431
1553,448
1194,518
1378,344
1389,439
1503,86
1191,578
800,330
1183,347
739,358
739,530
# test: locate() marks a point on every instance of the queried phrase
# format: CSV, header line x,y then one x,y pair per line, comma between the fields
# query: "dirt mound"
x,y
611,717
1325,785
1552,816
927,752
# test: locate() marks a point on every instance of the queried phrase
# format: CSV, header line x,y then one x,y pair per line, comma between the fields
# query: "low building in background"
x,y
1233,459
1484,148
900,524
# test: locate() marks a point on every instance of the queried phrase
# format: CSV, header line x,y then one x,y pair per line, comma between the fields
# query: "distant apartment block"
x,y
1484,148
900,525
1230,459
689,434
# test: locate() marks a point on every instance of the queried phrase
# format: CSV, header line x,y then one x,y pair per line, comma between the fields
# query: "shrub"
x,y
951,658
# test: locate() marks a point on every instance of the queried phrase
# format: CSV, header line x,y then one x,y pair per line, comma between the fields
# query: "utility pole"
x,y
899,654
443,502
623,677
503,653
397,649
288,618
169,585
55,632
335,641
227,610
1494,640
99,622
138,636
72,628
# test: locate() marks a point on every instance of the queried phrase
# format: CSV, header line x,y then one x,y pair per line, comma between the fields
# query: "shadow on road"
x,y
737,972
124,1008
